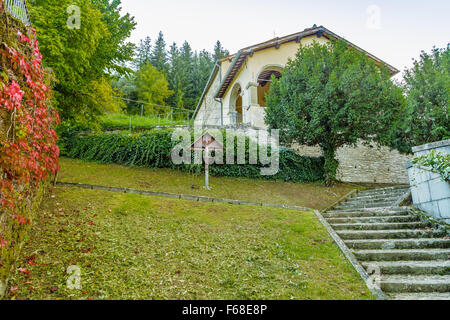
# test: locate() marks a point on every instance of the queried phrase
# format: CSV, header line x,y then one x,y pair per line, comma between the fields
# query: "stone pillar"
x,y
252,94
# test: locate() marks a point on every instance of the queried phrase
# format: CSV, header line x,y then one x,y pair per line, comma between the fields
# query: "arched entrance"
x,y
236,104
264,82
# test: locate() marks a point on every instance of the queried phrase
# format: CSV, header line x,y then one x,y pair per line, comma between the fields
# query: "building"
x,y
235,96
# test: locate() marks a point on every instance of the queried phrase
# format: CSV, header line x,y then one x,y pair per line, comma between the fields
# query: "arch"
x,y
263,80
236,111
275,67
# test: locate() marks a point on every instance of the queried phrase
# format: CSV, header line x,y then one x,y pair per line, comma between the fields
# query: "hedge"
x,y
153,148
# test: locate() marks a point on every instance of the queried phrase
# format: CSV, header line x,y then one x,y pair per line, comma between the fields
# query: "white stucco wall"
x,y
253,114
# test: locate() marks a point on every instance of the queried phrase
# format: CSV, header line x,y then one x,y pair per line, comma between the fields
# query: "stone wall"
x,y
366,163
429,192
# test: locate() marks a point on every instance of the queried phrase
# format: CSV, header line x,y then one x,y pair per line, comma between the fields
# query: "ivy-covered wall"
x,y
28,149
153,149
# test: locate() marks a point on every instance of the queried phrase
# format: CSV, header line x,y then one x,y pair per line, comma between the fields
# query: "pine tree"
x,y
219,51
203,64
143,53
187,77
174,76
159,54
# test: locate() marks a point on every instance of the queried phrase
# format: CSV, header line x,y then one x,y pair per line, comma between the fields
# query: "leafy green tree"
x,y
153,88
113,51
159,54
109,98
81,57
126,85
332,95
219,51
427,85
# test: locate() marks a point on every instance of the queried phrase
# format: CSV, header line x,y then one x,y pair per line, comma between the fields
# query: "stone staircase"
x,y
410,258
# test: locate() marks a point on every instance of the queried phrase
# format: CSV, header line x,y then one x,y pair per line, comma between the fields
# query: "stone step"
x,y
369,200
361,214
380,226
381,195
381,192
434,267
389,234
421,284
375,197
376,219
433,296
358,205
402,254
389,244
385,190
374,210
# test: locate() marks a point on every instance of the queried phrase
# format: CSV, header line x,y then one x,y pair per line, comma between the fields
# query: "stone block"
x,y
444,208
423,193
431,208
439,189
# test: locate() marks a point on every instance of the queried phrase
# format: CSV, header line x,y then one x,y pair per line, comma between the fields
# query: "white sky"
x,y
404,27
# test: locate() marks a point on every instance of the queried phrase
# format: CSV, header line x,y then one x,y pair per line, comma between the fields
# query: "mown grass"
x,y
136,247
122,121
310,195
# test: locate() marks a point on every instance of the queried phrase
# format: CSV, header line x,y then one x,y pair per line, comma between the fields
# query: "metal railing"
x,y
18,9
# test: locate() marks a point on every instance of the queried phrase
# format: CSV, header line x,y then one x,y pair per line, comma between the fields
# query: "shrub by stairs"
x,y
409,259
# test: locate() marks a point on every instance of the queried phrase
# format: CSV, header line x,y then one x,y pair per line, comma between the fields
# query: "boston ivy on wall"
x,y
28,150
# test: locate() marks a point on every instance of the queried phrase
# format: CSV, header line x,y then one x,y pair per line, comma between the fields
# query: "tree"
x,y
427,85
203,64
143,53
219,51
126,85
153,89
187,77
108,98
159,54
332,95
175,77
81,57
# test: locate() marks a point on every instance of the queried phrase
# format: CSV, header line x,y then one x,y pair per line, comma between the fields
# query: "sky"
x,y
393,30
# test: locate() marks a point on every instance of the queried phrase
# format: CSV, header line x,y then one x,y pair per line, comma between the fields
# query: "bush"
x,y
437,162
153,148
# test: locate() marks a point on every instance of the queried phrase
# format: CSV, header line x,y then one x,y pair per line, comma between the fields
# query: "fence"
x,y
18,9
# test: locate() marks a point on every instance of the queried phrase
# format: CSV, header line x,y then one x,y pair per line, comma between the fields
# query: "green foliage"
x,y
438,162
427,118
105,96
219,51
153,149
143,53
80,57
122,122
158,57
332,95
153,89
186,71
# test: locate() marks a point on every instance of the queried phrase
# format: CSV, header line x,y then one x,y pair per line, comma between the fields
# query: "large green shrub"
x,y
153,148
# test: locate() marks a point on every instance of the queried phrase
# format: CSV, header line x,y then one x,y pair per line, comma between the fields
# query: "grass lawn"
x,y
111,121
137,247
310,195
